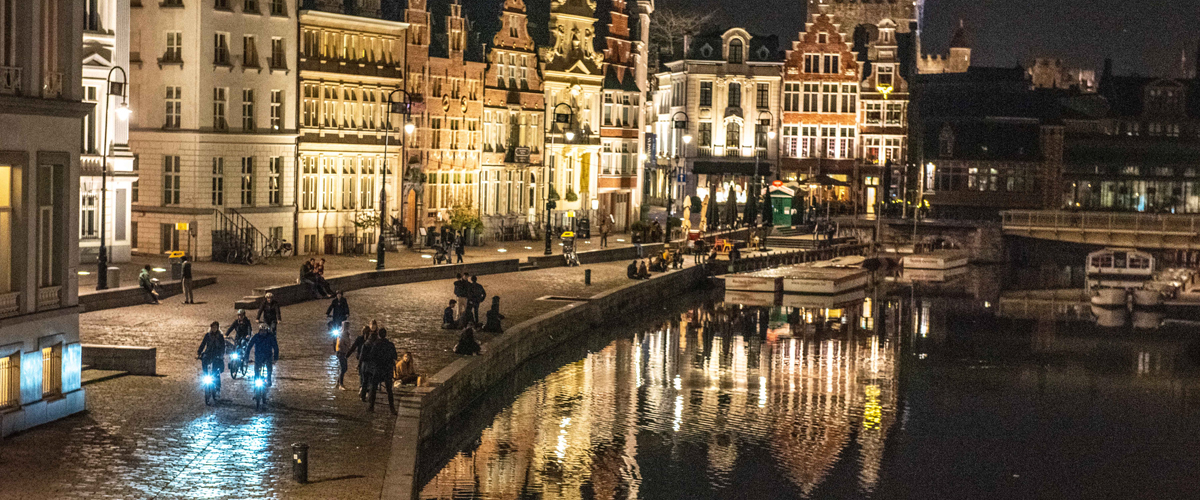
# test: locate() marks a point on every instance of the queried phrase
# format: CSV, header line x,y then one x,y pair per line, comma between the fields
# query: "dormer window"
x,y
706,51
735,52
883,76
822,37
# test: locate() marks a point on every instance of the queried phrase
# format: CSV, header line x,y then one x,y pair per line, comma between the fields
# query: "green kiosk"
x,y
781,203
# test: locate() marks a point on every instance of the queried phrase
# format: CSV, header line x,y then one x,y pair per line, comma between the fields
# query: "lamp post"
x,y
756,189
122,111
564,118
687,139
403,108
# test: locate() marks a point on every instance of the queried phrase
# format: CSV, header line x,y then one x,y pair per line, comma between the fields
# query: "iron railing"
x,y
1110,222
236,241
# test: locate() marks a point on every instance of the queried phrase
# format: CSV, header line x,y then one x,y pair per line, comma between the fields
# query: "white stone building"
x,y
105,47
214,124
41,107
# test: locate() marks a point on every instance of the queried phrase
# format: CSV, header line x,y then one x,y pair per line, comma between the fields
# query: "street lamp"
x,y
405,108
565,119
680,125
756,185
111,88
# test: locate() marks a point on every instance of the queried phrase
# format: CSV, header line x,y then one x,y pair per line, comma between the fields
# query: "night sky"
x,y
1144,36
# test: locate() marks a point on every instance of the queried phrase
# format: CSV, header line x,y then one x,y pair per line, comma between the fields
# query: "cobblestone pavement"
x,y
153,437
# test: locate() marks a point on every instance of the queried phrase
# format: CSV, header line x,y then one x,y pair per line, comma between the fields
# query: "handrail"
x,y
236,235
1101,221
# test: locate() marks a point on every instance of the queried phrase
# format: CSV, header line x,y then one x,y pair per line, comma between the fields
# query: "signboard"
x,y
521,154
682,178
651,148
181,226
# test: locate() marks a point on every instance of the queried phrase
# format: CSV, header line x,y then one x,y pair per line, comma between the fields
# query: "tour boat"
x,y
1110,297
938,260
1119,268
822,281
839,301
767,280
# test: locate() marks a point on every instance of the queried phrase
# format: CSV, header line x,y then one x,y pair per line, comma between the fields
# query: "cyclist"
x,y
212,353
266,351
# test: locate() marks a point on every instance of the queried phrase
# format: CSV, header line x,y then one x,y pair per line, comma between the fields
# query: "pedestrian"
x,y
459,248
266,352
381,361
604,228
462,292
187,281
734,254
147,284
448,322
698,252
406,370
494,317
357,348
269,312
477,295
342,349
338,311
212,353
467,346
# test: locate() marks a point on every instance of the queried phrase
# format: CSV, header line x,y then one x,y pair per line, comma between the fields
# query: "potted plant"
x,y
637,230
464,218
571,196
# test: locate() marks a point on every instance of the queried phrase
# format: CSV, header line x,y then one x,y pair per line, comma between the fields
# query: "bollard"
x,y
587,276
300,462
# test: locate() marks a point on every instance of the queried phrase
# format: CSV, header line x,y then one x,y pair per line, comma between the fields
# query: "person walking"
x,y
266,352
147,284
459,247
462,292
269,312
342,349
477,295
357,348
604,228
187,281
212,353
338,311
378,368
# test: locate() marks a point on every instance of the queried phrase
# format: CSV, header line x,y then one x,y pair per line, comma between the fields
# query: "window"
x,y
247,181
221,4
274,189
348,174
704,130
733,138
250,6
276,109
874,113
762,97
822,37
171,179
812,95
87,215
808,142
174,51
829,98
308,183
10,380
883,76
168,237
174,105
52,371
791,141
50,225
735,95
849,99
6,219
218,182
248,110
735,52
311,95
278,59
608,105
221,49
895,114
278,7
791,97
328,194
219,103
760,133
706,94
812,63
832,63
249,52
679,92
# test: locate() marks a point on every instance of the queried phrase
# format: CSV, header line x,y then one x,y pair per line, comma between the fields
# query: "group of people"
x,y
657,264
262,344
378,363
455,241
312,273
463,313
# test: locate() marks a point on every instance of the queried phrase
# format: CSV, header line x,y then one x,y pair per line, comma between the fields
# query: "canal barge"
x,y
939,260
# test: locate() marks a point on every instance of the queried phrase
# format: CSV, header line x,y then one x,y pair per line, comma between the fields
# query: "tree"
x,y
751,207
667,27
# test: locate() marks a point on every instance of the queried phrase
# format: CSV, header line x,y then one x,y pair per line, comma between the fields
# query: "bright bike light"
x,y
336,332
259,383
233,356
208,380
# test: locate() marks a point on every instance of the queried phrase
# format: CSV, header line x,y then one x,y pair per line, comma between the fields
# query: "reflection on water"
x,y
723,400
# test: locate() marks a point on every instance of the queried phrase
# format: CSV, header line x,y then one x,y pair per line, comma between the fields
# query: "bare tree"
x,y
667,28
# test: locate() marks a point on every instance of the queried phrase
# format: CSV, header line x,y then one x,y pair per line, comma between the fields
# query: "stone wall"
x,y
133,295
132,359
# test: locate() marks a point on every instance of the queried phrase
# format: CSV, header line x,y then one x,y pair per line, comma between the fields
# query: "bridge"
x,y
1146,231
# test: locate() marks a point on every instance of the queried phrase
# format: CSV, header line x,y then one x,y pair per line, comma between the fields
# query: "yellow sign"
x,y
568,234
181,226
176,254
886,90
570,213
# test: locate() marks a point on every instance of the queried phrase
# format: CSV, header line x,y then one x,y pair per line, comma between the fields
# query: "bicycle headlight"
x,y
233,356
259,383
208,380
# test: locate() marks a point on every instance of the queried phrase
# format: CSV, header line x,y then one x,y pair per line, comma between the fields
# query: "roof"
x,y
984,140
760,48
960,40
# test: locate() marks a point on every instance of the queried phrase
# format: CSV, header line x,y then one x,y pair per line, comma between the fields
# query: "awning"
x,y
729,168
824,180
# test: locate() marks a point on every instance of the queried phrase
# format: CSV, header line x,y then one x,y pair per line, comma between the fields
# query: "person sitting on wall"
x,y
631,272
643,272
494,317
467,346
448,321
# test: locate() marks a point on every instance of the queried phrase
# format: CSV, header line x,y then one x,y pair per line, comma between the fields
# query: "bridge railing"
x,y
1101,221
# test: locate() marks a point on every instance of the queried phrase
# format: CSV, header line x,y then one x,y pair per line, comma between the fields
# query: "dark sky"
x,y
1145,36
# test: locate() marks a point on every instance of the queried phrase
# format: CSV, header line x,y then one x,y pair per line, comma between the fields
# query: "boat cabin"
x,y
1124,262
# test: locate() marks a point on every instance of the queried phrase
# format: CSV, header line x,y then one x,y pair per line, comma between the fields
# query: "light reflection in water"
x,y
678,397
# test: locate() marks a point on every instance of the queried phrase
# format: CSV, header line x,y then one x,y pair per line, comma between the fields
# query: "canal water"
x,y
926,390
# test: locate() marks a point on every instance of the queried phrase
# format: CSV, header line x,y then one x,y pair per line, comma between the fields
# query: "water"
x,y
916,392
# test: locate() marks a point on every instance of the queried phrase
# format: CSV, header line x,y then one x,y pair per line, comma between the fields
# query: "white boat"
x,y
822,281
1110,297
1147,297
758,299
1119,268
939,260
767,280
844,261
908,275
839,301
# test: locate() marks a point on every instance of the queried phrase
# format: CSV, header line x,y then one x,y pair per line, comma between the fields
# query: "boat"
x,y
767,280
839,301
937,260
1147,297
844,261
757,299
1110,318
822,281
1119,268
1110,297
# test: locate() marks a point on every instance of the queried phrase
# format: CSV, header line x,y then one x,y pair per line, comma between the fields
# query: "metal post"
x,y
549,185
102,259
379,254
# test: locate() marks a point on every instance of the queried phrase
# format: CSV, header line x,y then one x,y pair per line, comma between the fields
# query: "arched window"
x,y
735,52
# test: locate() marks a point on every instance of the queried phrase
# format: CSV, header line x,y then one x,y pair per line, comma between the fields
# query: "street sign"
x,y
651,147
181,226
682,178
521,154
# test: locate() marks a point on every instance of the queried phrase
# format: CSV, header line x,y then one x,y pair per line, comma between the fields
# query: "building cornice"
x,y
14,105
343,21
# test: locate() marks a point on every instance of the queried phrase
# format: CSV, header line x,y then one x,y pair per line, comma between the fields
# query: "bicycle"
x,y
211,384
260,390
238,364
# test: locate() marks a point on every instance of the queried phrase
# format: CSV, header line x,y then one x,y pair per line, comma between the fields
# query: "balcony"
x,y
52,85
10,80
49,297
171,57
10,304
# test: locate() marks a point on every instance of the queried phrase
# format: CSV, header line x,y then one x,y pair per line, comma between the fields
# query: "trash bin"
x,y
175,259
300,462
114,277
